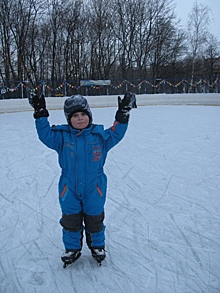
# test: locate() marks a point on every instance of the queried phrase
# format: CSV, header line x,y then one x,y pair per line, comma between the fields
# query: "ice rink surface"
x,y
162,210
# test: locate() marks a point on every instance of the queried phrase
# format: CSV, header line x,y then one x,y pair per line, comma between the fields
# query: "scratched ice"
x,y
162,210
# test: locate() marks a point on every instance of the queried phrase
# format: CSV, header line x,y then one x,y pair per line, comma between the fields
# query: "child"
x,y
82,148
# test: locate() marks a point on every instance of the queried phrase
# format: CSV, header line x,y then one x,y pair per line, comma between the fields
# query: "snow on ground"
x,y
12,105
162,210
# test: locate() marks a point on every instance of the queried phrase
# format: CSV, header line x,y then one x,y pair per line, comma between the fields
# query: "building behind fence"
x,y
21,89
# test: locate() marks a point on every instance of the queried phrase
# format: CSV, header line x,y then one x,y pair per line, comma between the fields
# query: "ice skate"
x,y
69,257
98,254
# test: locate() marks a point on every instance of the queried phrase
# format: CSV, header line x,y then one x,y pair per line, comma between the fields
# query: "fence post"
x,y
22,90
43,87
184,87
65,93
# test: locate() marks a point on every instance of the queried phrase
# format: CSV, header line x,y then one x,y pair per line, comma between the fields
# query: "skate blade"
x,y
98,261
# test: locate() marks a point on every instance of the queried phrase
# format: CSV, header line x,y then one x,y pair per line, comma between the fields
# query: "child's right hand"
x,y
39,105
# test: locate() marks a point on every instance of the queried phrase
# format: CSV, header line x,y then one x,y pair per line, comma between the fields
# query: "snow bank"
x,y
56,103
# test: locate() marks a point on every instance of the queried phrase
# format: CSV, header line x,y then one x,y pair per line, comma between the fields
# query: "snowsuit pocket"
x,y
99,190
63,194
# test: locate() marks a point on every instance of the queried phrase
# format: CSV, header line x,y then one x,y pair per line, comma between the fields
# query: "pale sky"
x,y
184,7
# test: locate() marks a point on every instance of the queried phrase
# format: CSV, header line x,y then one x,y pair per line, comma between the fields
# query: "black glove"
x,y
39,105
124,107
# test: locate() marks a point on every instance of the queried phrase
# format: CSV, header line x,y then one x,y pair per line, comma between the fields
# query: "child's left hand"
x,y
124,107
126,104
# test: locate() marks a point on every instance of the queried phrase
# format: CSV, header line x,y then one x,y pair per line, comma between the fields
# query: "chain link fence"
x,y
59,88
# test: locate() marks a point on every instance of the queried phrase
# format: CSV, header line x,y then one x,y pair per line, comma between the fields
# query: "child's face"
x,y
79,120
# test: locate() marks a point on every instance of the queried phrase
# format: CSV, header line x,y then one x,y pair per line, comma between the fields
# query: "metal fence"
x,y
21,89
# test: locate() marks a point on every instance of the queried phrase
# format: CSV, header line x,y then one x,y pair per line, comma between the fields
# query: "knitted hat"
x,y
75,104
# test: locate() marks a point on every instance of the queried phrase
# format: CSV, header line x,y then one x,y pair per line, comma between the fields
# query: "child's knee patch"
x,y
94,224
72,222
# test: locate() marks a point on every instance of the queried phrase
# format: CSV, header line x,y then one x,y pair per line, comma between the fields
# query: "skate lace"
x,y
99,251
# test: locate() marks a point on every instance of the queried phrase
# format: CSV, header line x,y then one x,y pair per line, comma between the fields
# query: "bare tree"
x,y
100,39
18,32
125,27
56,14
198,25
100,36
211,58
74,34
6,41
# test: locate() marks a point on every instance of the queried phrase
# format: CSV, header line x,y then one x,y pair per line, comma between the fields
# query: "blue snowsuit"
x,y
83,183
